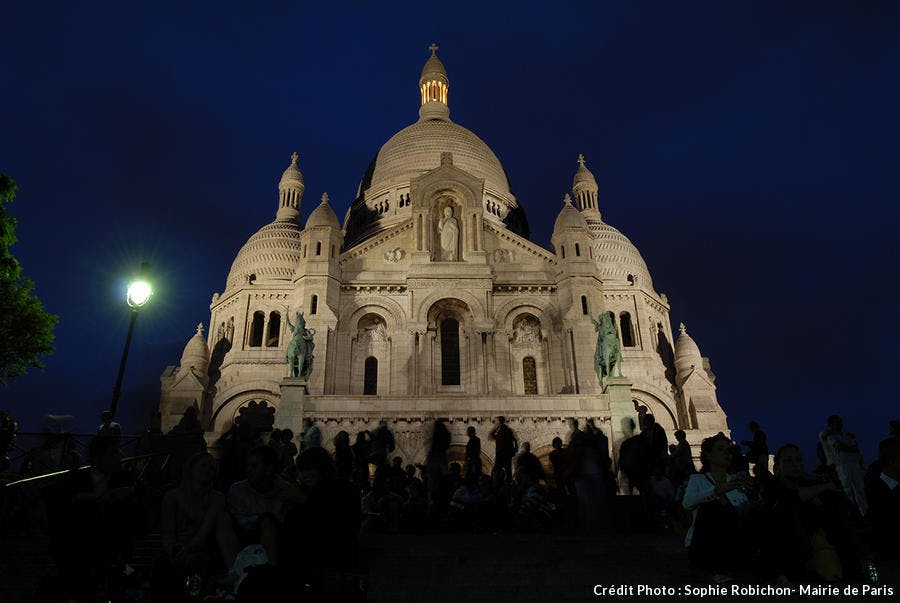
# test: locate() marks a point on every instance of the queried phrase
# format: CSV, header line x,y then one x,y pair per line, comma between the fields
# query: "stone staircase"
x,y
519,567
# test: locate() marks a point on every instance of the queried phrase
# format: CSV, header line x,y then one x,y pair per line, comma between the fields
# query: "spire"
x,y
584,186
434,87
290,192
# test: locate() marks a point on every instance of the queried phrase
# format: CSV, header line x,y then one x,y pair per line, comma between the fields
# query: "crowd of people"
x,y
268,511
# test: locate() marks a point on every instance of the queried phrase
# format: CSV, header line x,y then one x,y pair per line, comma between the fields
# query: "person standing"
x,y
506,446
473,453
842,451
758,453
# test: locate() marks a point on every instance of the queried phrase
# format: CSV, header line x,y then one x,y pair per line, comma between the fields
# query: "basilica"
x,y
430,301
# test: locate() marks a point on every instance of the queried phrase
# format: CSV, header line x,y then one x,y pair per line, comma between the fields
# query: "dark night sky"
x,y
748,149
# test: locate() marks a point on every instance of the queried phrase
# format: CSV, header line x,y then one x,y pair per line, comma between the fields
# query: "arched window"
x,y
563,248
256,329
449,352
274,330
577,250
370,378
314,304
626,330
332,251
529,374
318,247
304,251
584,308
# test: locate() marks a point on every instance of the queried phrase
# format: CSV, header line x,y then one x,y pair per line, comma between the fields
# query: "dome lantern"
x,y
290,192
584,186
434,87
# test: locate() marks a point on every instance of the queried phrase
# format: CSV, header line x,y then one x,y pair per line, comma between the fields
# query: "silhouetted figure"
x,y
288,453
397,477
108,426
93,517
443,493
811,533
721,538
655,444
758,453
361,449
559,461
436,464
382,445
343,455
254,508
632,455
187,524
312,435
527,461
320,530
381,506
884,501
842,451
473,453
531,509
681,462
505,447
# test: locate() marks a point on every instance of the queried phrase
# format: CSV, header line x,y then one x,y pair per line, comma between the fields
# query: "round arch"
x,y
388,309
224,413
474,307
659,409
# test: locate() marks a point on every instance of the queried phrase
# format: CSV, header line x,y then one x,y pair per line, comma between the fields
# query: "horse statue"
x,y
607,354
299,353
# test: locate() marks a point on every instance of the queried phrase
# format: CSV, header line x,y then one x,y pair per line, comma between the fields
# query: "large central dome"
x,y
382,200
417,149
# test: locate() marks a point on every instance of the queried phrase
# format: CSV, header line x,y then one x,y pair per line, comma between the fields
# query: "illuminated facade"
x,y
431,301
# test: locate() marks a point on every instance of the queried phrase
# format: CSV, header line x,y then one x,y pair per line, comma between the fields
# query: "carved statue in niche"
x,y
372,330
527,330
449,229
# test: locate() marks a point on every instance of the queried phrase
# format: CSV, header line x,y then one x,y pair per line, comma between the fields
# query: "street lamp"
x,y
138,294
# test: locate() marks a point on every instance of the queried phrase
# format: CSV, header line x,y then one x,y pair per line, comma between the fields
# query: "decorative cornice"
x,y
373,288
544,289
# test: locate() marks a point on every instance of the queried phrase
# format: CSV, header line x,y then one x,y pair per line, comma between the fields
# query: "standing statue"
x,y
449,229
607,354
299,353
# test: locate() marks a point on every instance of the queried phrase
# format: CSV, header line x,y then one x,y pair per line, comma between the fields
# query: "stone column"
x,y
290,407
620,408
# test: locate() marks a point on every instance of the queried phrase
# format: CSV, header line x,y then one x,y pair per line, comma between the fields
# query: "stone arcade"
x,y
431,301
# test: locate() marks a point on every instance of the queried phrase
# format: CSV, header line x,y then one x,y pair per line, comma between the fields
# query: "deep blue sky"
x,y
748,149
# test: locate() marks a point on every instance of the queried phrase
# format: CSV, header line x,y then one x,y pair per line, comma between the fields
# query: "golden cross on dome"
x,y
294,157
433,48
580,159
324,197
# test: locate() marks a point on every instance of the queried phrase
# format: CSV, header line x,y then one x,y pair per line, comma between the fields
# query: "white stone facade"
x,y
414,321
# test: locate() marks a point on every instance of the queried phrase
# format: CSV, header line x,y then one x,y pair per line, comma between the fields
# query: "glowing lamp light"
x,y
139,293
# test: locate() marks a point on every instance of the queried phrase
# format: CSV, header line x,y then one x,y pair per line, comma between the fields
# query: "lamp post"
x,y
138,294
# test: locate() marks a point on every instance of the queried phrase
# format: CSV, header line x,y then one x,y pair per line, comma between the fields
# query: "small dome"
x,y
569,217
323,215
196,352
687,354
292,177
617,257
583,176
271,253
